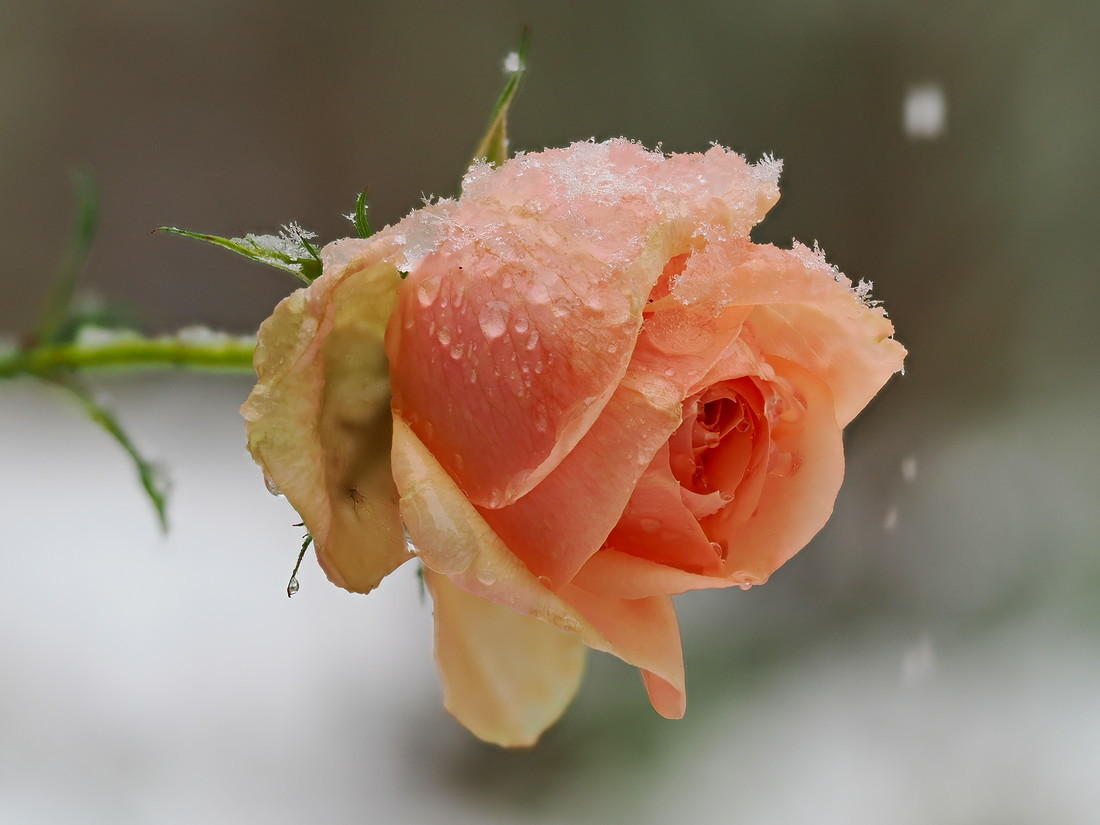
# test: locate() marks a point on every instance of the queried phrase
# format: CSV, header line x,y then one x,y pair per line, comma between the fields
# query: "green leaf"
x,y
54,326
153,484
291,250
359,217
494,146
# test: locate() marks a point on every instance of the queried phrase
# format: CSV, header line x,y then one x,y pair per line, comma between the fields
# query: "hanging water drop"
x,y
292,586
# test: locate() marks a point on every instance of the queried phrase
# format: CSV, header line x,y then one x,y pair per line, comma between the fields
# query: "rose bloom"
x,y
591,391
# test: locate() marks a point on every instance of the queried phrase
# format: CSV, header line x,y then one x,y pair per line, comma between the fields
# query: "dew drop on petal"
x,y
491,318
486,576
428,290
272,487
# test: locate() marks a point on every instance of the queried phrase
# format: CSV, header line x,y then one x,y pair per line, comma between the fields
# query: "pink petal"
x,y
565,519
656,524
506,676
508,347
453,539
318,420
618,575
794,491
802,310
524,298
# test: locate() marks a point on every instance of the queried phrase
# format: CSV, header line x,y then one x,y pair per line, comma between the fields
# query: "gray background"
x,y
931,658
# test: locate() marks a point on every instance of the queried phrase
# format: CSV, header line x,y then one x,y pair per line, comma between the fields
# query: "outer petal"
x,y
564,520
803,310
453,539
524,297
509,347
506,676
318,420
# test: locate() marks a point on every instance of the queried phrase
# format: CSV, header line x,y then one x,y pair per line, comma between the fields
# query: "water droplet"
x,y
521,324
717,548
725,495
492,319
612,348
542,419
545,581
539,367
533,341
745,584
456,351
292,586
272,487
428,290
443,336
487,576
670,372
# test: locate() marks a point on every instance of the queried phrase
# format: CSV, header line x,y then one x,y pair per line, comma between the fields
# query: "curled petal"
x,y
506,676
454,540
545,528
318,420
792,493
802,310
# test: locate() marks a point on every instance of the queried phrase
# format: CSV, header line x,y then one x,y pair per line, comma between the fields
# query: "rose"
x,y
603,393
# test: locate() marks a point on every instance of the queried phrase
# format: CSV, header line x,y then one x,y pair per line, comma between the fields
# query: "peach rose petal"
x,y
619,575
454,540
524,298
794,491
318,420
511,349
506,676
648,627
545,528
803,310
656,525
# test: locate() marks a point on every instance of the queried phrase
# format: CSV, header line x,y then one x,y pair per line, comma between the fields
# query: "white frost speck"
x,y
924,115
511,63
909,468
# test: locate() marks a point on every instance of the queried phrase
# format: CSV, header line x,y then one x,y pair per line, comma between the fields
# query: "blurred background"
x,y
932,657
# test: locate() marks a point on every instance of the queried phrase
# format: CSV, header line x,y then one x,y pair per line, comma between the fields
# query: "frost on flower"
x,y
601,393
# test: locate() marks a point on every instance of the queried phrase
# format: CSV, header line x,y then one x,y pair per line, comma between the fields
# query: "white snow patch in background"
x,y
925,112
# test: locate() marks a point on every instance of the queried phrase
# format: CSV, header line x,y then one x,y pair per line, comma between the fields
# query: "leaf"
x,y
290,250
494,146
153,484
54,326
359,217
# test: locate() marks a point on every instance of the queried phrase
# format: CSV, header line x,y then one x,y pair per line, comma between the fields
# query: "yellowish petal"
x,y
318,420
506,676
454,540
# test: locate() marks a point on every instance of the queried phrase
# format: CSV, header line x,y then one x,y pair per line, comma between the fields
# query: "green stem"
x,y
230,355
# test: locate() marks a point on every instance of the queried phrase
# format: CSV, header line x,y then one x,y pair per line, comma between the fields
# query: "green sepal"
x,y
290,250
359,217
494,145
